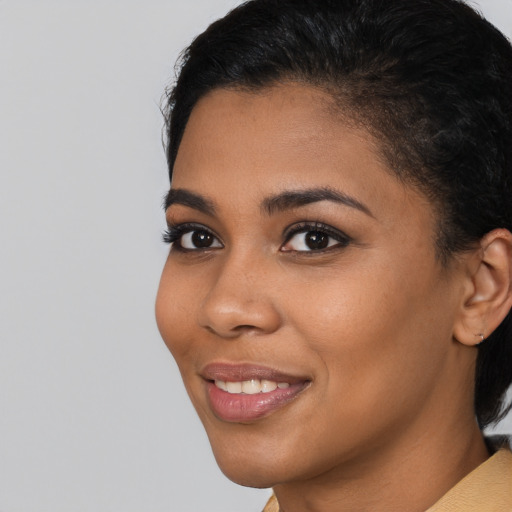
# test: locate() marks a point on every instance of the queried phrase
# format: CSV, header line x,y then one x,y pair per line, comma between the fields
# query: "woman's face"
x,y
302,298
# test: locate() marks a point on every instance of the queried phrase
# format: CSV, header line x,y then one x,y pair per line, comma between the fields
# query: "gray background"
x,y
93,415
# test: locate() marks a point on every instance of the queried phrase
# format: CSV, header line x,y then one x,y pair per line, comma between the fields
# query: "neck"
x,y
410,475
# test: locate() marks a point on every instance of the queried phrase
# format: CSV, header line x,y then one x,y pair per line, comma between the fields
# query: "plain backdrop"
x,y
93,414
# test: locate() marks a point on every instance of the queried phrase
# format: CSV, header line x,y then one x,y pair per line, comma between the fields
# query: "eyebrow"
x,y
190,199
296,198
286,200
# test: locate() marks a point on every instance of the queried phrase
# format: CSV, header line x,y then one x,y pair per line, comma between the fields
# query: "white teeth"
x,y
268,385
221,385
251,387
234,387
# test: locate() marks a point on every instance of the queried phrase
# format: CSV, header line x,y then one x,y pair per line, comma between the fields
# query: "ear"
x,y
488,296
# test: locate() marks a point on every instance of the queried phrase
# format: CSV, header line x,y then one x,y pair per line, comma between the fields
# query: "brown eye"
x,y
199,239
314,238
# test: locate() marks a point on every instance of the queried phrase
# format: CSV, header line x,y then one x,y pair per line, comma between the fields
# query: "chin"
x,y
249,460
250,473
259,481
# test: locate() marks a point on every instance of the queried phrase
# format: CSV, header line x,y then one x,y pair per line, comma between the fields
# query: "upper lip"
x,y
246,371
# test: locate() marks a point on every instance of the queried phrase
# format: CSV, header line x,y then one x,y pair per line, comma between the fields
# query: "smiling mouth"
x,y
237,406
246,393
251,387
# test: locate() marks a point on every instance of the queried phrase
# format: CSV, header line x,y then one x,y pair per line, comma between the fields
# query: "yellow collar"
x,y
488,488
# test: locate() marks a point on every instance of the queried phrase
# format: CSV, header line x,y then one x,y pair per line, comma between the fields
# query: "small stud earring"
x,y
482,339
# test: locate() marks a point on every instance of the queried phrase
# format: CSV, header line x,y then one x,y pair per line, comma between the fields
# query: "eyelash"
x,y
174,234
309,227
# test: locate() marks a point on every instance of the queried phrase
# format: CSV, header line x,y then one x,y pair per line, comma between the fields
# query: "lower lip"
x,y
240,407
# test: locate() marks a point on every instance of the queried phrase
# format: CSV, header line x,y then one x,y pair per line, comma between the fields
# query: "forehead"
x,y
280,119
244,146
268,128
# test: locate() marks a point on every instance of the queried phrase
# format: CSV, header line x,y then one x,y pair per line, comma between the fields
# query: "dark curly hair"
x,y
431,79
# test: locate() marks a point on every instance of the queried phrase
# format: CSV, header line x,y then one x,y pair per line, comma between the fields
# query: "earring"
x,y
482,339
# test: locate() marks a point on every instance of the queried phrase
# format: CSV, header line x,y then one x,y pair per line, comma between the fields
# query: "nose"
x,y
240,300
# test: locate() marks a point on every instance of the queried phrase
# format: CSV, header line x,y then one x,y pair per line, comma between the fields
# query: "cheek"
x,y
174,309
373,335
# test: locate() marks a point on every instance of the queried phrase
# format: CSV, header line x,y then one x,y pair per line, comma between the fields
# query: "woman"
x,y
338,289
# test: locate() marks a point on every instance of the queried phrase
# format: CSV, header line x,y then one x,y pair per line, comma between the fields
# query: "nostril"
x,y
246,328
235,331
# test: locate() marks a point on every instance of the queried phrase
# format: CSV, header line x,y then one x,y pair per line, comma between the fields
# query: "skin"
x,y
386,421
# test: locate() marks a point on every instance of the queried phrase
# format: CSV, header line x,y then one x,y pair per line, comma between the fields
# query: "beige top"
x,y
488,488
